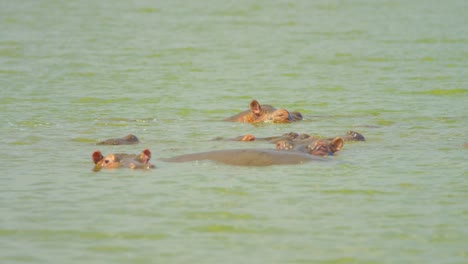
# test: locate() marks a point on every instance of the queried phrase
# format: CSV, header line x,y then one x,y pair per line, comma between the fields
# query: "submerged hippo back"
x,y
127,140
248,157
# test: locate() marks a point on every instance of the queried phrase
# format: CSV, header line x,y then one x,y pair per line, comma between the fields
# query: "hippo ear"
x,y
255,107
97,156
336,144
145,156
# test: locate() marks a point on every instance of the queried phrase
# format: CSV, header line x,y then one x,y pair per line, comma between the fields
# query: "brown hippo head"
x,y
264,113
278,116
320,147
267,113
324,147
121,160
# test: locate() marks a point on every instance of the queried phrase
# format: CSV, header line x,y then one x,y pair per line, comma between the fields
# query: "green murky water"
x,y
76,72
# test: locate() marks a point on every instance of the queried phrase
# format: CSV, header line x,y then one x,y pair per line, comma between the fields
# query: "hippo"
x,y
250,137
315,145
286,136
266,157
293,136
305,139
264,113
122,160
353,136
249,157
247,137
127,140
318,147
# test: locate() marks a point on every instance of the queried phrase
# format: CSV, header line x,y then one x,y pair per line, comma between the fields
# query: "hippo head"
x,y
108,162
113,161
279,116
325,147
355,136
267,113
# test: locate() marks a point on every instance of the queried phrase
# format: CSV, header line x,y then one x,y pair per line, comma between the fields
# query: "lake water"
x,y
76,72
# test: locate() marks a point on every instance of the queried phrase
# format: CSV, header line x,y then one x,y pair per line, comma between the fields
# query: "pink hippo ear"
x,y
145,156
97,156
336,144
255,107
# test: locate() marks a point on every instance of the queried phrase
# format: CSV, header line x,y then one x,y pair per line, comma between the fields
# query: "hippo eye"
x,y
106,161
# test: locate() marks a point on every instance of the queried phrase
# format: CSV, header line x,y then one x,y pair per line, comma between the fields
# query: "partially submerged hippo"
x,y
308,143
353,136
127,140
249,157
293,136
266,157
306,139
247,137
273,139
264,113
122,160
318,147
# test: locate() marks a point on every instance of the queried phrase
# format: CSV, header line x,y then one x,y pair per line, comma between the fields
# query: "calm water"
x,y
75,72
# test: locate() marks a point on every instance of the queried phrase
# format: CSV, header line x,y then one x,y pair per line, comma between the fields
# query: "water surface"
x,y
75,73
